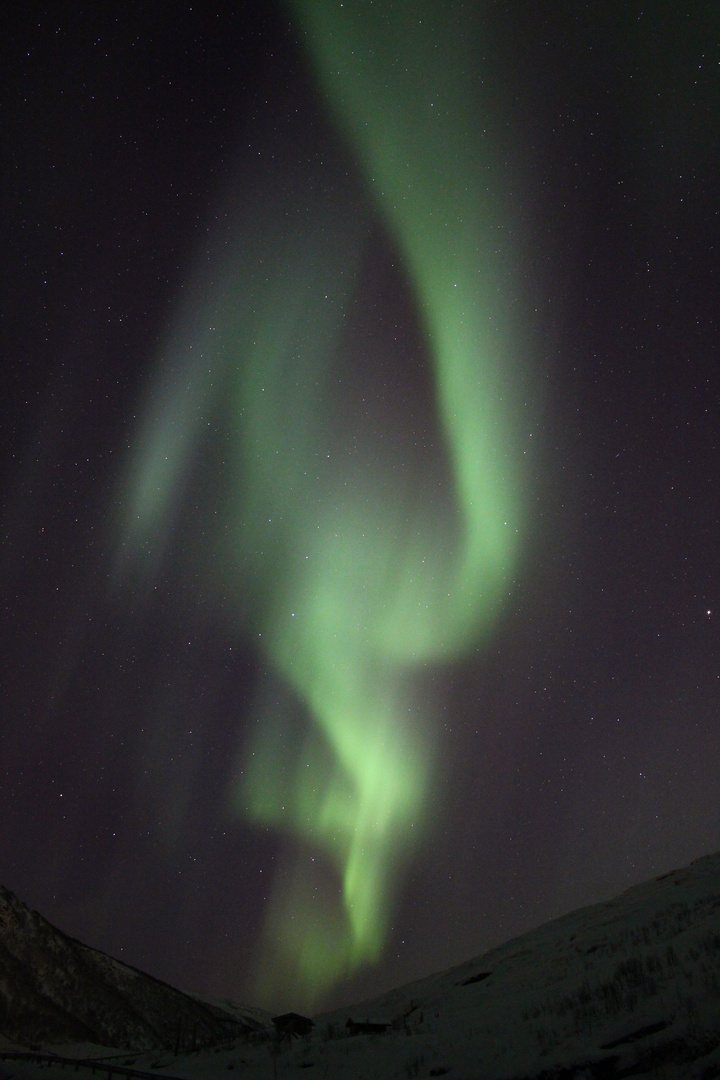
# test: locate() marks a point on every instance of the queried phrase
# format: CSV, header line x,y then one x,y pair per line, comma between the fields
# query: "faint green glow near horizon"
x,y
350,579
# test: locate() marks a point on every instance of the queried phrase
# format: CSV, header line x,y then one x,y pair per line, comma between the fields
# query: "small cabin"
x,y
292,1025
367,1026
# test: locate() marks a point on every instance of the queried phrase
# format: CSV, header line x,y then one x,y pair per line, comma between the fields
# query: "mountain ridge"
x,y
54,988
623,988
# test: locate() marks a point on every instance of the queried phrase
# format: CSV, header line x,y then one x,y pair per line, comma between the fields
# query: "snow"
x,y
624,988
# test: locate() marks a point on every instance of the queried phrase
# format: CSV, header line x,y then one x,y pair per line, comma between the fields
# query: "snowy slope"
x,y
626,988
612,988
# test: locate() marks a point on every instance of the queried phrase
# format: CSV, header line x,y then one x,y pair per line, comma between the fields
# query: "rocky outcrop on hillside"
x,y
54,989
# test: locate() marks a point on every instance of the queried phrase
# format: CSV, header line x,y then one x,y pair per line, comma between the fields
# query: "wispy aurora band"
x,y
353,592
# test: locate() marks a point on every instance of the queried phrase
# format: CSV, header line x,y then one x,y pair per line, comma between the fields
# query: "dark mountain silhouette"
x,y
55,989
626,988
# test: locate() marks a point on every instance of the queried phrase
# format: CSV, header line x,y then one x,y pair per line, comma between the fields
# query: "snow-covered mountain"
x,y
55,989
626,988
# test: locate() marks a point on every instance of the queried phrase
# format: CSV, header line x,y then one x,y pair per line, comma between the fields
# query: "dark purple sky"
x,y
580,749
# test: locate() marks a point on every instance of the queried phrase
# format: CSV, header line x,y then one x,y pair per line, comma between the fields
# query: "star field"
x,y
152,160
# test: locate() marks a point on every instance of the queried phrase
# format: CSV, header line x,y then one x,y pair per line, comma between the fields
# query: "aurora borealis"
x,y
351,599
359,518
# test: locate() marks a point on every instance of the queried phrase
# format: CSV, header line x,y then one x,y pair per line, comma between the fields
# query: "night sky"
x,y
167,165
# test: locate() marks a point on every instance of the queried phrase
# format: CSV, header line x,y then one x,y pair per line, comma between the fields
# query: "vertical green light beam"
x,y
400,79
349,579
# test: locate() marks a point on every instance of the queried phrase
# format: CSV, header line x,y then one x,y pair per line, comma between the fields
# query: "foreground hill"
x,y
55,989
627,988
